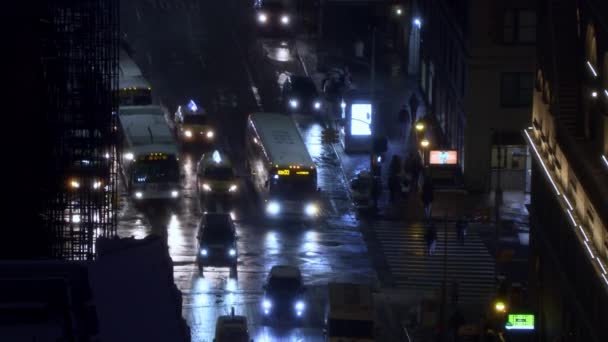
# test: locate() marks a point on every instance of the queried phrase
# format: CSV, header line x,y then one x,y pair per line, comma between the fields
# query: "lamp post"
x,y
424,143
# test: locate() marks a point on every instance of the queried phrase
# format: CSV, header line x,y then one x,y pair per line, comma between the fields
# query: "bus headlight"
x,y
129,156
233,188
139,195
74,184
210,134
311,209
206,187
96,185
317,105
188,134
174,193
293,103
232,252
285,20
299,306
273,208
262,18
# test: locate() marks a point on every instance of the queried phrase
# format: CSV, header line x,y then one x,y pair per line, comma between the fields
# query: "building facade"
x,y
475,62
568,140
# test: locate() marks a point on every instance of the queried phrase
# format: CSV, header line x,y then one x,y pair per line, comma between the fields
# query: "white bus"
x,y
134,89
150,157
281,168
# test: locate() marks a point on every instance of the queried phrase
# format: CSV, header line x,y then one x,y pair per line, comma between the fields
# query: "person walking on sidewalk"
x,y
404,124
414,103
427,196
431,238
461,228
394,173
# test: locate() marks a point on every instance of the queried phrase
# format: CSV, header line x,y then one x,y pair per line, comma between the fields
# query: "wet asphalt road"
x,y
206,50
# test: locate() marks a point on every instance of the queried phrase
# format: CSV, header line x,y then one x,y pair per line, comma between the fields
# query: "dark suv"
x,y
217,242
284,294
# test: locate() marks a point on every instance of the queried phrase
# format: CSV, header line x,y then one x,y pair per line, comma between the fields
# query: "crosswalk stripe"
x,y
405,250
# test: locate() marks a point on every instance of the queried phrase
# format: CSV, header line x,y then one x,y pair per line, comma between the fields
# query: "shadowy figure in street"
x,y
414,103
394,174
404,122
427,196
430,236
461,228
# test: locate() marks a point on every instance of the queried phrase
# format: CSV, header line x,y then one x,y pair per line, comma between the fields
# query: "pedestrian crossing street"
x,y
411,267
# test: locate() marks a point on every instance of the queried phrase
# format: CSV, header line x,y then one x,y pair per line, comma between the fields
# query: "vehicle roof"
x,y
129,74
281,139
145,129
138,110
285,271
210,160
170,149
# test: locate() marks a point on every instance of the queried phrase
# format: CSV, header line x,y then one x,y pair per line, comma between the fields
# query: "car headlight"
x,y
233,188
232,252
129,156
262,18
285,20
206,187
188,134
266,304
204,251
293,103
139,195
311,209
300,306
74,184
174,193
210,134
273,208
96,185
343,104
317,105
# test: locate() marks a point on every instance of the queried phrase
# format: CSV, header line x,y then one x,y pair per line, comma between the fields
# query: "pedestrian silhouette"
x,y
461,228
427,196
414,103
431,238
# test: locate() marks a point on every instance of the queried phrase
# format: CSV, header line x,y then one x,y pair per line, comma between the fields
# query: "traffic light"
x,y
329,136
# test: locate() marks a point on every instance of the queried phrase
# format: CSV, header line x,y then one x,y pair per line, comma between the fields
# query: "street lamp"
x,y
424,143
420,126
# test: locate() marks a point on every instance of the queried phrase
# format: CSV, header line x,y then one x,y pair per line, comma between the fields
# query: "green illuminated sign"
x,y
520,322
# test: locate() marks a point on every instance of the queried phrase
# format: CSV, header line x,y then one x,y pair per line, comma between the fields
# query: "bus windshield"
x,y
351,328
150,171
293,186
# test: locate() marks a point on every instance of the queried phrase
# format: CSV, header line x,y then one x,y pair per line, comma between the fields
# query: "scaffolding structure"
x,y
80,75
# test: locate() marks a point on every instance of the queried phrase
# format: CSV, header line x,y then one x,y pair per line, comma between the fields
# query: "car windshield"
x,y
233,334
195,120
351,328
219,173
304,86
218,234
283,284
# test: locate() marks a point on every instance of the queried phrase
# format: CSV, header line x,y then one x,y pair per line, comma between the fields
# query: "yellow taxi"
x,y
192,124
215,175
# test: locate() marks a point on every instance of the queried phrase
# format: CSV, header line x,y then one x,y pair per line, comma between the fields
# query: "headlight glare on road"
x,y
188,134
204,251
273,208
139,195
262,18
232,252
317,105
300,305
311,209
206,187
285,20
293,103
210,134
174,193
233,188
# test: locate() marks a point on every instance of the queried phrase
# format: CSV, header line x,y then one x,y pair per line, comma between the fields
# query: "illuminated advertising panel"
x,y
444,157
361,119
520,322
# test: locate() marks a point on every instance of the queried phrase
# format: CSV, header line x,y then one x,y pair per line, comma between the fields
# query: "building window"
x,y
519,27
516,89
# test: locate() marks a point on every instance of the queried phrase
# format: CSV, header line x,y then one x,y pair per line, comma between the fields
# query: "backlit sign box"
x,y
444,157
361,119
520,322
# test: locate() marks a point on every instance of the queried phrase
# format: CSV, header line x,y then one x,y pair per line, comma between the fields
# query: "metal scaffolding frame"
x,y
80,74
